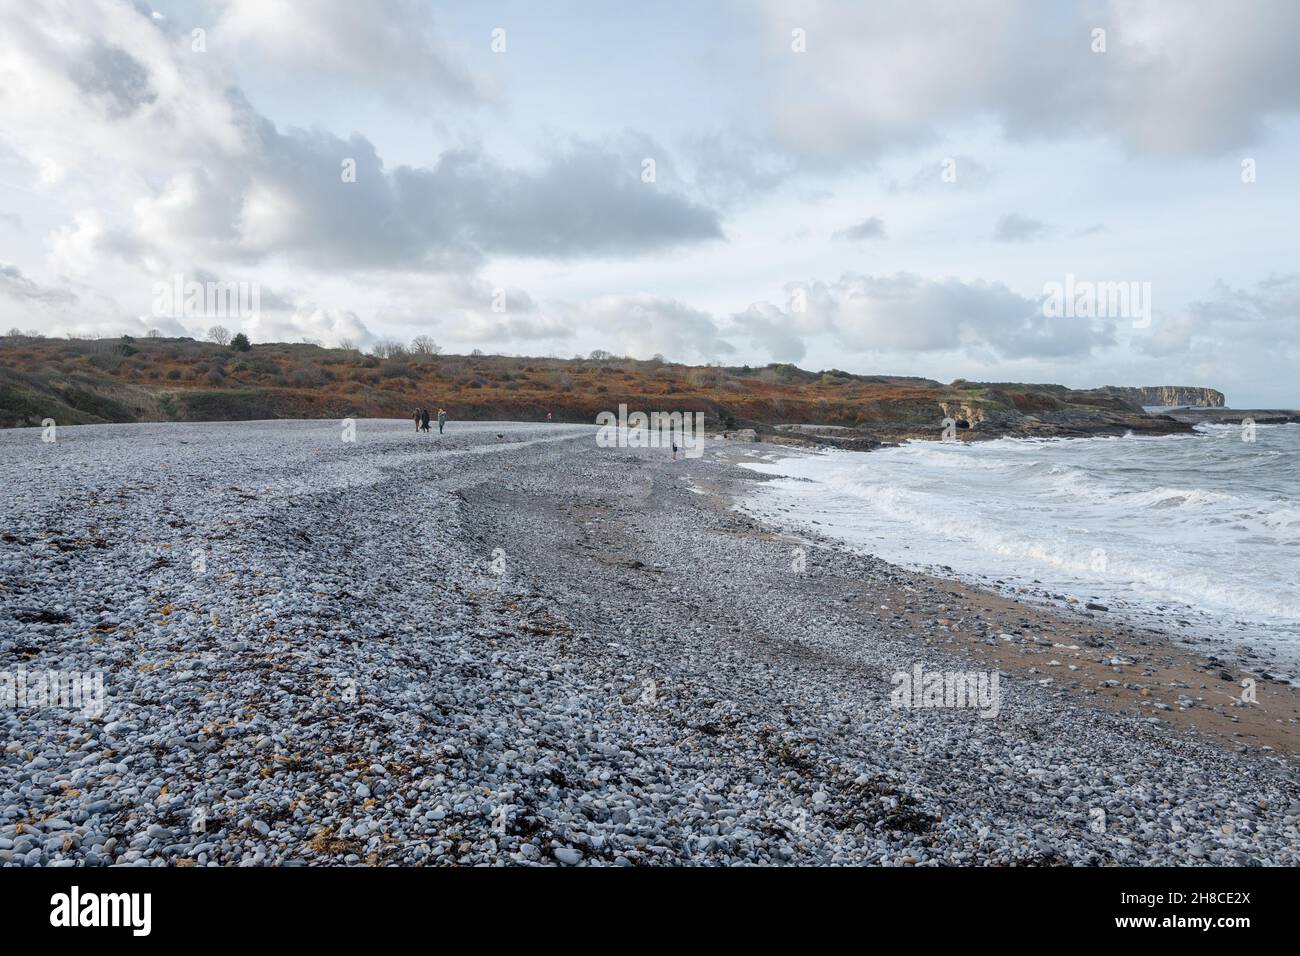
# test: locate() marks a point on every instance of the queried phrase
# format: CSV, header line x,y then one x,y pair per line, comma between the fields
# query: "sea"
x,y
1197,535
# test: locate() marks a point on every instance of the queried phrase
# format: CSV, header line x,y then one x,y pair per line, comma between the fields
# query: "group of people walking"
x,y
422,420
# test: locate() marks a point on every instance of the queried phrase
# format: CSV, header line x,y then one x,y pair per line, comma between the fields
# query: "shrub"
x,y
108,362
307,376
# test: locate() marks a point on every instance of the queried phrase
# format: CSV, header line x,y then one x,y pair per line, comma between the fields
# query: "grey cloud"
x,y
1262,319
770,328
872,228
586,199
269,299
732,167
1239,339
273,300
15,284
117,78
289,198
1014,227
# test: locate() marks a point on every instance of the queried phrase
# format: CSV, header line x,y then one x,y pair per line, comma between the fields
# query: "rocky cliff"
x,y
1169,395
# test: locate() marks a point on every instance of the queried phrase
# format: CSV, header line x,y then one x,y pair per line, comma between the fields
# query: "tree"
x,y
219,334
599,355
240,343
388,348
425,345
347,344
153,334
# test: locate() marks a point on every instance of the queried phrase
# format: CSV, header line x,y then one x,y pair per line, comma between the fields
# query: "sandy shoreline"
x,y
526,649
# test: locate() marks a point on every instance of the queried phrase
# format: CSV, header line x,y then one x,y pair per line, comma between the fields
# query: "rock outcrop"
x,y
971,411
1235,416
1169,396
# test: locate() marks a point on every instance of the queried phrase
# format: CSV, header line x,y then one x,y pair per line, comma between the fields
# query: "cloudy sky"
x,y
881,187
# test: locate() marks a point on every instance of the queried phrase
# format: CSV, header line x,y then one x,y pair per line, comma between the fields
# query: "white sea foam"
x,y
1206,526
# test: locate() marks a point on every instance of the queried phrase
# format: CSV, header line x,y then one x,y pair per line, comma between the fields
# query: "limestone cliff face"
x,y
1169,395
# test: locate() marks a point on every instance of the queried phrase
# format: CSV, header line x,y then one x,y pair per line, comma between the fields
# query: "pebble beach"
x,y
505,645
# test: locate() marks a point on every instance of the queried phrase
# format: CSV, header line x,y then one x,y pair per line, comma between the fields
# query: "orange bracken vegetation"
x,y
162,379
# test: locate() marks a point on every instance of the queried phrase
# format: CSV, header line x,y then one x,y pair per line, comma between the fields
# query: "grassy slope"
x,y
78,382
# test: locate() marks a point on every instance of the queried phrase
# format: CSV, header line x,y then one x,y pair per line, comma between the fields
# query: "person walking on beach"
x,y
442,419
417,418
424,419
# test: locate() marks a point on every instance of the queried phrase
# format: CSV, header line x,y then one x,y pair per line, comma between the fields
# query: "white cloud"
x,y
58,308
329,327
963,173
134,158
643,325
199,174
1176,77
1245,322
909,313
389,45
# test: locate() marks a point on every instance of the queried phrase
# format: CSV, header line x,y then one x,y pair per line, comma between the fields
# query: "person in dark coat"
x,y
424,419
